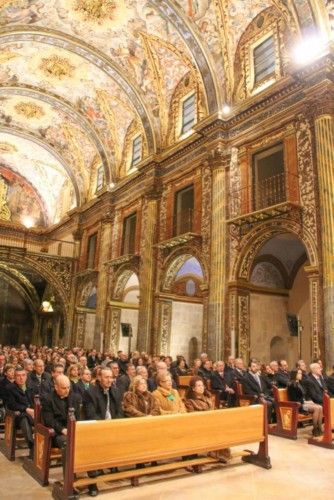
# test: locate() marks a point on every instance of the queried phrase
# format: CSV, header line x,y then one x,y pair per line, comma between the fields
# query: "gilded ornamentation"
x,y
165,326
4,209
114,329
57,67
7,148
306,175
80,333
222,9
244,339
29,110
135,128
286,418
95,10
103,100
206,212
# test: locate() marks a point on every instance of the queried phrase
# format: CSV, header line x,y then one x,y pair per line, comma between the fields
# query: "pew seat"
x,y
326,441
98,445
12,438
287,415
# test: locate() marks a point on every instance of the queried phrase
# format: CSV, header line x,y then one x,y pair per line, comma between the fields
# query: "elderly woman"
x,y
168,399
138,401
197,396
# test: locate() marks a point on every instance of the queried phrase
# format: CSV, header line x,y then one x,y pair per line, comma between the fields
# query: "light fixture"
x,y
227,109
309,49
28,221
47,306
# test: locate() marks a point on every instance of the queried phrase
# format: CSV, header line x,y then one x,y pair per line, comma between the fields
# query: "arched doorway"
x,y
181,308
129,314
279,297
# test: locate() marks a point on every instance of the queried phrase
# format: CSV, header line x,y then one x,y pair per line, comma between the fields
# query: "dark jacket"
x,y
79,388
204,373
18,399
42,387
251,387
238,375
282,379
296,392
314,390
55,410
4,384
219,383
95,404
330,384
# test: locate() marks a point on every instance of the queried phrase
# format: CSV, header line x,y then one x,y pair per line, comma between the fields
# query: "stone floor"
x,y
298,470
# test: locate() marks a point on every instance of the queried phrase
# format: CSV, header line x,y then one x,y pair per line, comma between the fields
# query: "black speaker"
x,y
292,320
126,329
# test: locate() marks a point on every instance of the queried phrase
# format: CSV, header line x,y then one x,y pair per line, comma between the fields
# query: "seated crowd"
x,y
106,386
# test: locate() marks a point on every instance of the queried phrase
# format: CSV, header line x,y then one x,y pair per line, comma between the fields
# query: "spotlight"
x,y
227,109
309,49
28,221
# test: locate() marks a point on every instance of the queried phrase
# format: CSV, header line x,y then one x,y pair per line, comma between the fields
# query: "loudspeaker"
x,y
292,321
126,329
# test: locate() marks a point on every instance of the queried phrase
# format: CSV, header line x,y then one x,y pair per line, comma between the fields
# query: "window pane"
x,y
136,150
188,113
129,235
264,59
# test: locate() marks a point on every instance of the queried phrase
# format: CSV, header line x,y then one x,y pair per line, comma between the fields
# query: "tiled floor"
x,y
298,470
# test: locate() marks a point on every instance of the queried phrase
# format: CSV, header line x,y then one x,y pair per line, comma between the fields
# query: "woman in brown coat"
x,y
167,398
197,396
138,402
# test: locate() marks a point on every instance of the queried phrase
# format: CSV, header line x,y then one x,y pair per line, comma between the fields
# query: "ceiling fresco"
x,y
77,75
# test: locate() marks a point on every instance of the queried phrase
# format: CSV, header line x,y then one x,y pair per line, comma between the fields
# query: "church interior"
x,y
167,181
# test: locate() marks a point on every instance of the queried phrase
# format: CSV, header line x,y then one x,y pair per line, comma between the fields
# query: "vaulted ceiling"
x,y
75,74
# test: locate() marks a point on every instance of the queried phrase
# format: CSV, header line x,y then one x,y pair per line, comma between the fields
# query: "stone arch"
x,y
174,262
120,280
257,237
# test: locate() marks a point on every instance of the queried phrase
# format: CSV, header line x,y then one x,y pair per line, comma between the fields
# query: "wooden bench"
x,y
183,384
98,445
243,399
326,441
287,415
13,436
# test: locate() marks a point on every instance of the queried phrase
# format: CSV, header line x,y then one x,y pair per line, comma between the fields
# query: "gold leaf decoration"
x,y
7,147
95,10
29,110
57,67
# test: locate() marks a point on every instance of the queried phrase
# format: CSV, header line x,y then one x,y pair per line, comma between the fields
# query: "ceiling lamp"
x,y
309,49
227,109
28,221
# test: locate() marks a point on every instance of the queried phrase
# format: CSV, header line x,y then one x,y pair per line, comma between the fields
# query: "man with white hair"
x,y
315,384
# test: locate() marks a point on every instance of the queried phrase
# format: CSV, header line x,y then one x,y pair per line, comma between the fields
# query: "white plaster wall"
x,y
129,316
187,322
299,304
268,320
89,330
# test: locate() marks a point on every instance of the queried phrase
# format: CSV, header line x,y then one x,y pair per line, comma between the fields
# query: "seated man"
x,y
315,384
330,384
222,381
39,380
283,375
55,406
21,400
84,382
124,381
57,369
253,385
100,404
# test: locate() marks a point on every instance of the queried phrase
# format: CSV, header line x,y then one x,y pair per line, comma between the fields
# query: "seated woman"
x,y
296,392
138,401
181,368
73,375
167,398
198,399
197,396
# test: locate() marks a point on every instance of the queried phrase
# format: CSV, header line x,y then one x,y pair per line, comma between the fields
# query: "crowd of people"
x,y
107,386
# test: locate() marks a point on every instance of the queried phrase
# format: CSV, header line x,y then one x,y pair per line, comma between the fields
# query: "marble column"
x,y
324,133
146,273
102,282
217,281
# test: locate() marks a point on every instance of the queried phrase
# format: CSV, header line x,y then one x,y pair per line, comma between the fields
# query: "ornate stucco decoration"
x,y
7,147
4,209
29,110
95,10
57,67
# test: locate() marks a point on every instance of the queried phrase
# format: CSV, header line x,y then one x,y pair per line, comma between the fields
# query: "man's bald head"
x,y
62,386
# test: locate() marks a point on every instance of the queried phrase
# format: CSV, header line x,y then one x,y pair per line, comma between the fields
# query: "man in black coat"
x,y
239,370
99,402
283,375
38,379
222,380
124,381
330,384
21,400
253,385
84,383
315,384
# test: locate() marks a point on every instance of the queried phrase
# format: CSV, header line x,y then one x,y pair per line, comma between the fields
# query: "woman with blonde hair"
x,y
168,399
138,401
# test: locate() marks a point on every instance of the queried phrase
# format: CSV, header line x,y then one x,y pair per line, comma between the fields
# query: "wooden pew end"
x,y
259,459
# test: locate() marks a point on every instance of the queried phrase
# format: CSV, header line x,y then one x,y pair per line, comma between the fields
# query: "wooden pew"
x,y
13,436
98,445
243,399
287,415
44,453
326,441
